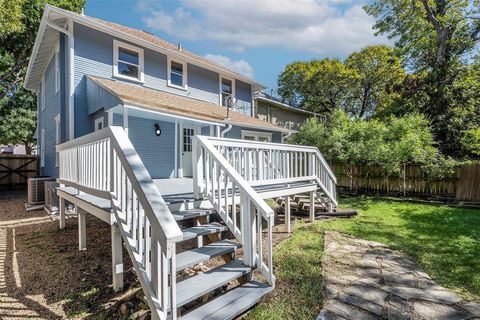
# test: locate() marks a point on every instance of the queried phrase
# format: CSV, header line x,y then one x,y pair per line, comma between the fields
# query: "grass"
x,y
445,241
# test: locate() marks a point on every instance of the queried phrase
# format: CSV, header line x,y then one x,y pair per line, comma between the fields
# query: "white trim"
x,y
125,119
57,68
220,78
116,46
184,85
57,136
99,120
42,93
110,117
42,148
180,167
176,173
71,82
257,135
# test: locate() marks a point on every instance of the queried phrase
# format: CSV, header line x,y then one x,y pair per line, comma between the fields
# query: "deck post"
x,y
117,258
312,206
287,214
197,169
82,229
62,212
329,206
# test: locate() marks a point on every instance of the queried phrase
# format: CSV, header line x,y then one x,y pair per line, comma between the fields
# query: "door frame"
x,y
180,147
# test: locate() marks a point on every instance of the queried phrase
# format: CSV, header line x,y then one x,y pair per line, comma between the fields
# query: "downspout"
x,y
286,136
228,128
70,74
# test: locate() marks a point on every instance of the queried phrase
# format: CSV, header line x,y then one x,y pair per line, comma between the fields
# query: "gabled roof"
x,y
138,96
136,36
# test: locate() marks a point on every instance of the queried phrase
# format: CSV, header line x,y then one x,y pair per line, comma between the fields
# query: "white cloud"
x,y
240,66
328,27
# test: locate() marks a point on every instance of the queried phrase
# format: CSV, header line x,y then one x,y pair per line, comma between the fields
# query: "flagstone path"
x,y
367,280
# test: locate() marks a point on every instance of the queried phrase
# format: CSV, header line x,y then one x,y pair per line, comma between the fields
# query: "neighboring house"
x,y
91,73
9,149
121,115
269,108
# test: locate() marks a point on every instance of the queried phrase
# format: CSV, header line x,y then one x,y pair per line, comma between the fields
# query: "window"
x,y
99,123
226,89
188,133
177,74
256,136
127,61
42,148
57,136
57,70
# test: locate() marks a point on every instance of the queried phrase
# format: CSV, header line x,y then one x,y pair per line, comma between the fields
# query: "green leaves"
x,y
390,144
362,86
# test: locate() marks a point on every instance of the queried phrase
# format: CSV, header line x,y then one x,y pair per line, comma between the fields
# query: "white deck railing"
x,y
227,190
105,164
262,163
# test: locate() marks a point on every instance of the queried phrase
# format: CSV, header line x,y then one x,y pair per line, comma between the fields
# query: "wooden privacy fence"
x,y
16,169
463,184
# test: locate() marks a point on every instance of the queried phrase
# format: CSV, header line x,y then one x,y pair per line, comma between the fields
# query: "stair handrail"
x,y
326,182
106,164
210,167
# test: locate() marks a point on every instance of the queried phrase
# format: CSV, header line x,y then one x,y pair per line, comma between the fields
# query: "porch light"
x,y
158,131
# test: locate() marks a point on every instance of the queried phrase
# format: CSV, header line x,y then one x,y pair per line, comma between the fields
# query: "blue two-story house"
x,y
91,73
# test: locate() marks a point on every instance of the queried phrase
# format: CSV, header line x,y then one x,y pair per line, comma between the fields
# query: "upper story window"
x,y
226,90
177,74
127,61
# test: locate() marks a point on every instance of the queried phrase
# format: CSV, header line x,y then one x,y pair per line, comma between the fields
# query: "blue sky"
x,y
254,37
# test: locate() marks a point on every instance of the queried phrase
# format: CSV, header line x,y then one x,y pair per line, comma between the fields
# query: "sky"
x,y
257,38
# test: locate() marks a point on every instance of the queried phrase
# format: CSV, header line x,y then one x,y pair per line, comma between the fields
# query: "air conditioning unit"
x,y
51,197
36,190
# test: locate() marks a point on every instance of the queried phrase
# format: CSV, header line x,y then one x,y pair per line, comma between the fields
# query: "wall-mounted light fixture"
x,y
158,131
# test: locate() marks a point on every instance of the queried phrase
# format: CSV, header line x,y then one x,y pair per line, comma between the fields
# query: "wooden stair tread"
x,y
198,255
190,214
196,286
193,232
231,304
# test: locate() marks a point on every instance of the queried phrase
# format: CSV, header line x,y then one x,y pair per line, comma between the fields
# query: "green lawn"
x,y
444,241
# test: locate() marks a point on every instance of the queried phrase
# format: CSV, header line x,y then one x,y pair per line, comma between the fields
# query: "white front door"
x,y
187,147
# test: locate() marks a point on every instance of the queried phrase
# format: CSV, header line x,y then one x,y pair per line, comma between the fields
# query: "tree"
x,y
436,37
20,20
379,75
389,144
319,85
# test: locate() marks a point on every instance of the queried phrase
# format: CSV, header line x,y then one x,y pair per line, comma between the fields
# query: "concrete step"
x,y
231,304
193,232
199,285
198,255
190,214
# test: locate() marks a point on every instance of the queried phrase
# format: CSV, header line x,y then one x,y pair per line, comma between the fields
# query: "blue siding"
x,y
243,93
99,98
157,153
47,121
236,133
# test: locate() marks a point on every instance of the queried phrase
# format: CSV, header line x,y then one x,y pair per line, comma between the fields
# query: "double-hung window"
x,y
127,61
226,89
177,74
256,136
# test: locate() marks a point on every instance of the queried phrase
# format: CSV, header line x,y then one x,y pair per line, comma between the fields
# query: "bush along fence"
x,y
461,185
16,169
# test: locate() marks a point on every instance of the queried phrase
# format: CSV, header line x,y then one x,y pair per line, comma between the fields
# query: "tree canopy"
x,y
362,84
19,22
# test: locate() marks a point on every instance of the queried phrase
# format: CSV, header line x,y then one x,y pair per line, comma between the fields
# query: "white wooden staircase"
x,y
103,175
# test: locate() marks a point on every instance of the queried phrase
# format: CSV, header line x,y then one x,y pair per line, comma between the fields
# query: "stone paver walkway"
x,y
367,280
